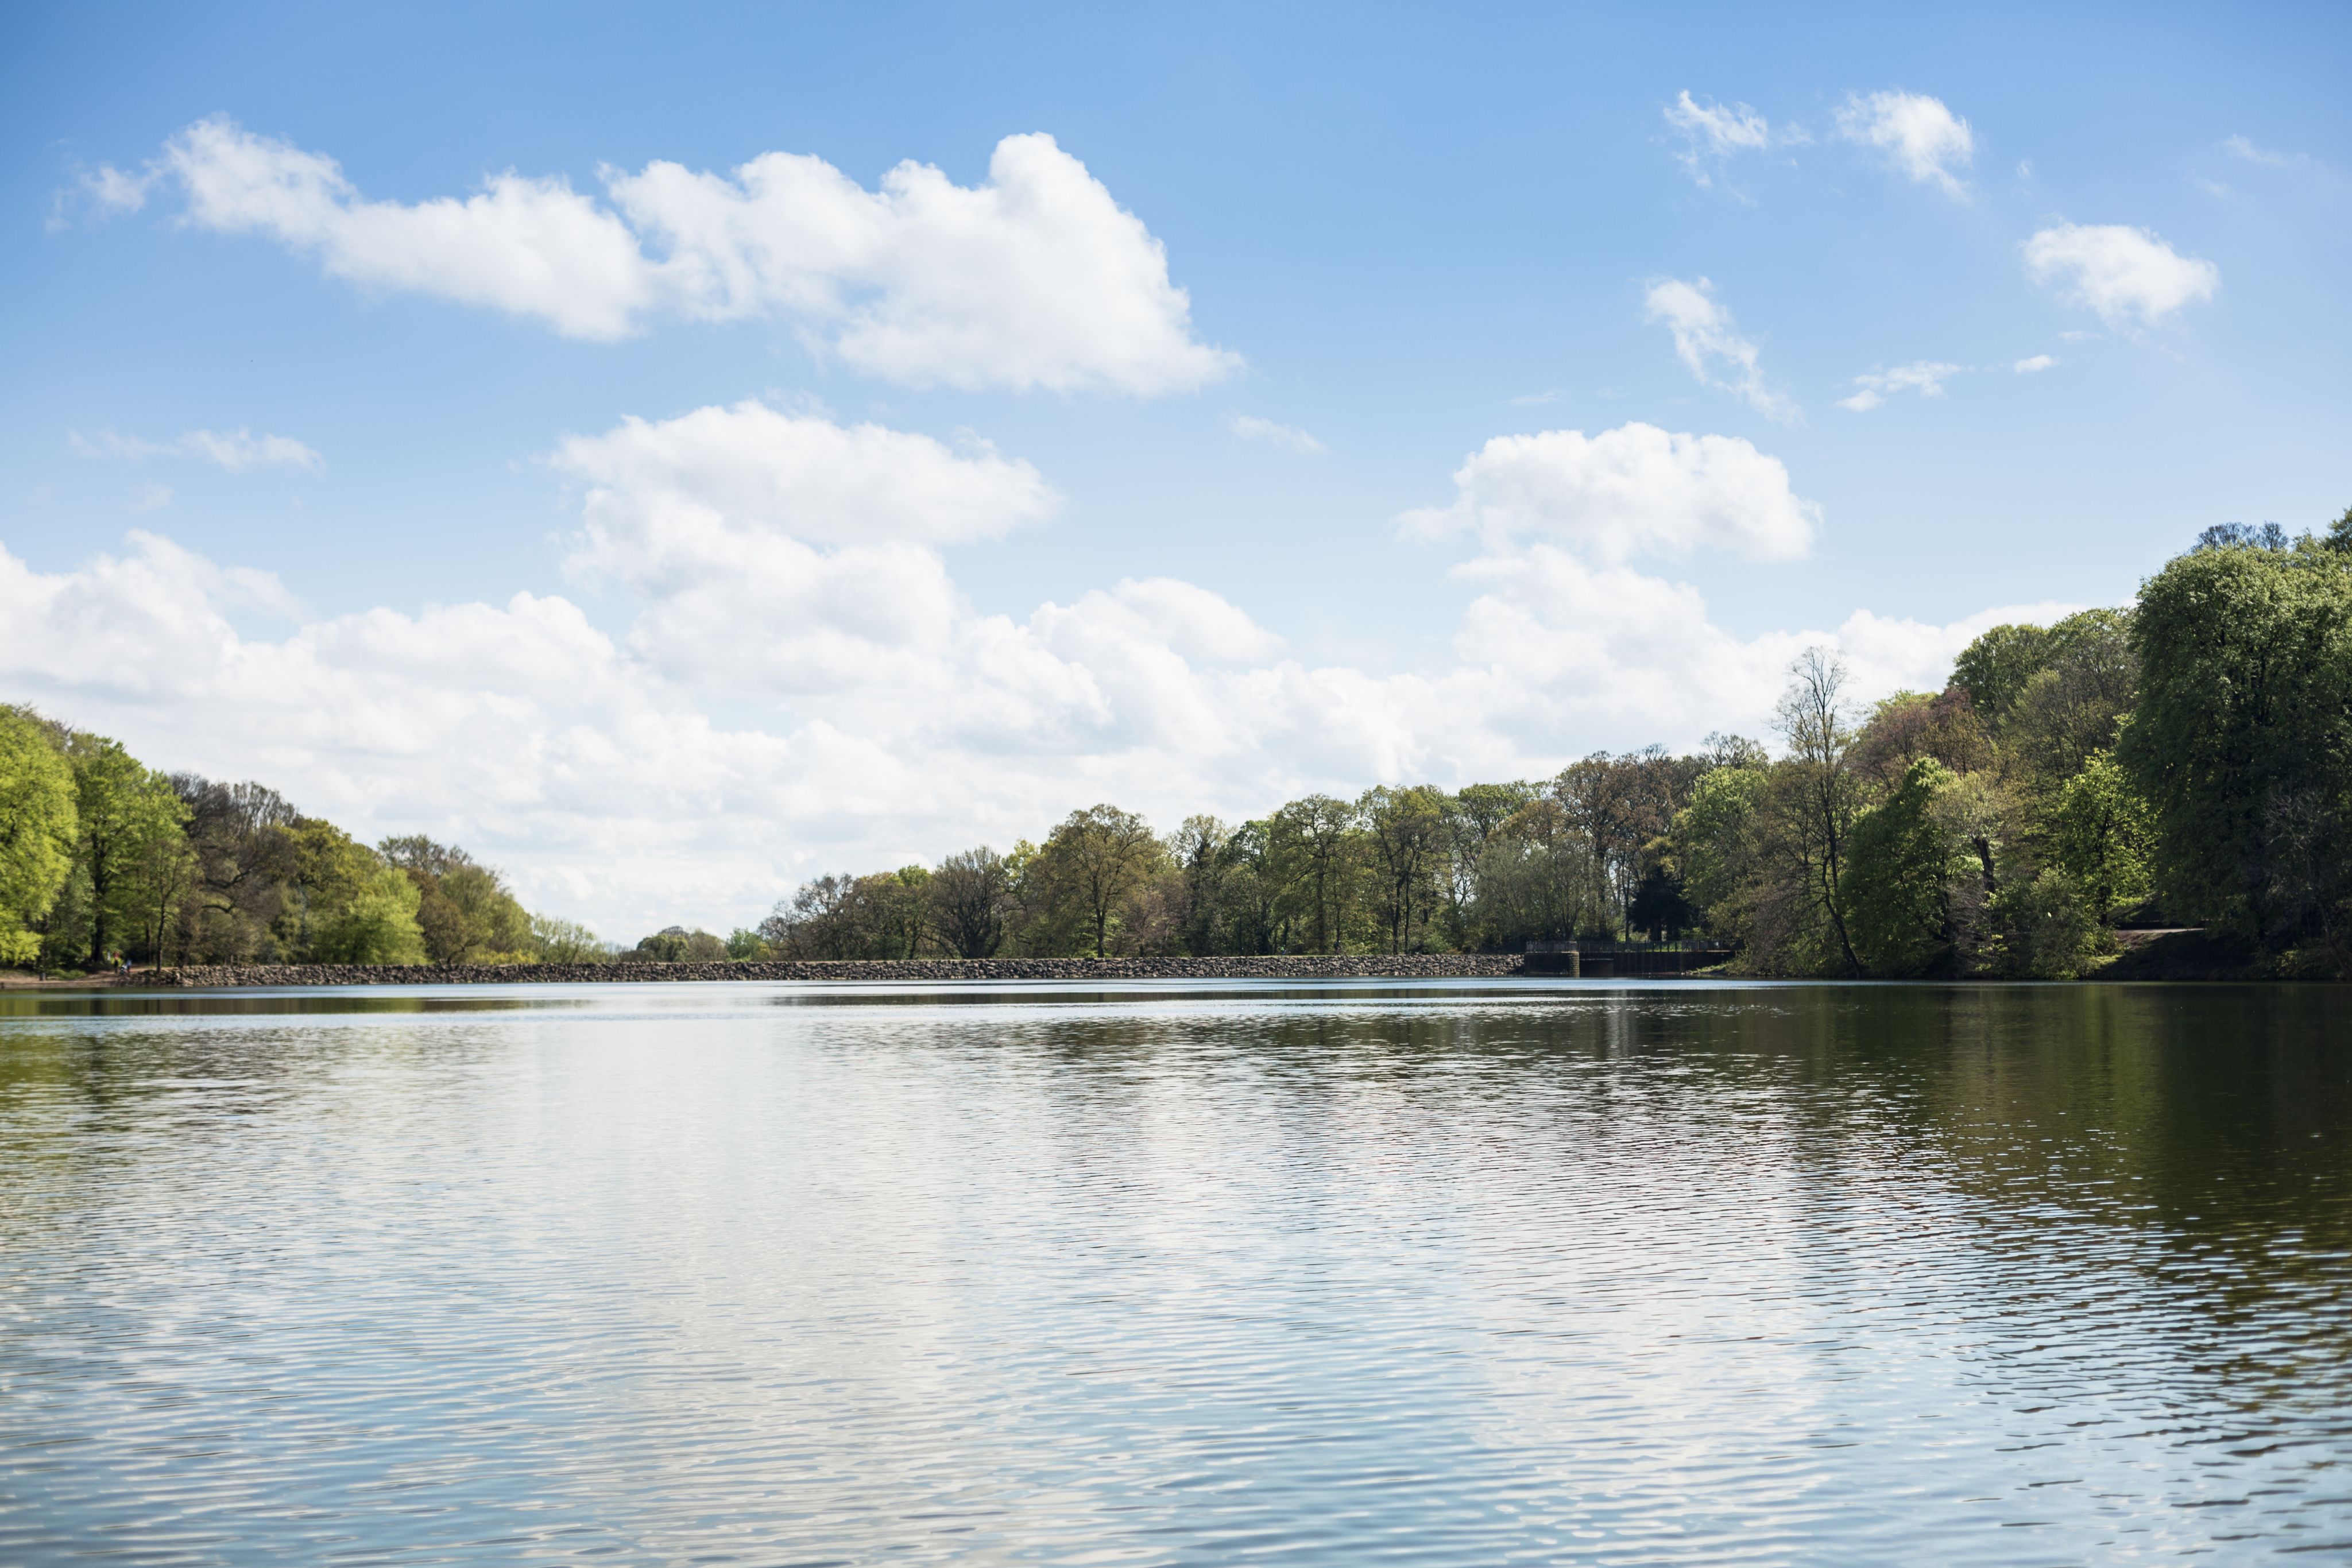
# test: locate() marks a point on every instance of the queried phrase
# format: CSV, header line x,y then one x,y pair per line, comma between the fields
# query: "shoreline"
x,y
1290,967
2177,956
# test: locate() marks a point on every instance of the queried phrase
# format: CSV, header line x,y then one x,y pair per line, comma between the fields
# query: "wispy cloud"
x,y
1922,138
1925,377
235,450
2239,147
1249,427
1707,343
2035,364
151,499
1714,131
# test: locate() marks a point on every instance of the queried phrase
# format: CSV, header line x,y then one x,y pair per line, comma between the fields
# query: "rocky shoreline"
x,y
1291,966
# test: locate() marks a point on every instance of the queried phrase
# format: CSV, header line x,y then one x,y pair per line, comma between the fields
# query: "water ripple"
x,y
1435,1273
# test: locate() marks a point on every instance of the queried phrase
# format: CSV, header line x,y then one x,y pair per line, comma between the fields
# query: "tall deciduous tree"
x,y
1198,849
1094,860
970,893
375,924
37,830
464,909
1898,891
242,900
1313,844
2245,657
122,808
1407,832
1815,792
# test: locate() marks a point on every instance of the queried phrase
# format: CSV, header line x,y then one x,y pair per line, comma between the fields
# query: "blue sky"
x,y
961,516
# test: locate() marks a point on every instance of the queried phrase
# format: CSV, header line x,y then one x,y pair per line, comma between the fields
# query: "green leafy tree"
x,y
2102,832
555,941
2072,705
1093,861
1472,813
818,921
241,879
1908,726
2050,930
676,944
1715,846
330,869
2245,700
970,899
1808,816
123,810
38,832
1251,915
667,946
375,923
1994,668
1898,888
1196,849
1619,804
465,911
1538,880
1407,832
1315,853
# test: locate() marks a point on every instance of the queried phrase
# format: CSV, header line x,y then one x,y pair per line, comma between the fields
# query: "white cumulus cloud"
x,y
1923,139
623,778
533,246
2035,364
1036,277
1711,348
1925,377
754,467
1249,427
2119,271
1631,491
783,550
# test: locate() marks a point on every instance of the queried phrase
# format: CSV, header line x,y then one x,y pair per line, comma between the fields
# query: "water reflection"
x,y
1175,1273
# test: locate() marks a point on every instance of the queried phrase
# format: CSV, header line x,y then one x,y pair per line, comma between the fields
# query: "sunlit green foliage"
x,y
103,859
2102,836
375,923
128,821
463,910
2189,760
2049,929
2242,743
1898,886
557,941
38,832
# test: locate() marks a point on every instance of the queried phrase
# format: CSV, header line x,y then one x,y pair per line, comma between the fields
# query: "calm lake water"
x,y
1443,1273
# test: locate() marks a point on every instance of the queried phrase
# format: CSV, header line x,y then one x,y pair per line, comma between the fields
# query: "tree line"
x,y
2185,760
105,861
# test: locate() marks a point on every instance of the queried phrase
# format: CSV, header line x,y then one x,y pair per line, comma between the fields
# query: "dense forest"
x,y
104,860
2187,761
2184,762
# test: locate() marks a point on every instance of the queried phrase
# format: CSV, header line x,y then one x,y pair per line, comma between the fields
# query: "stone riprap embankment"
x,y
1349,966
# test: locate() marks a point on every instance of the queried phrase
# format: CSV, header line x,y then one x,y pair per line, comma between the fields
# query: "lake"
x,y
1444,1273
